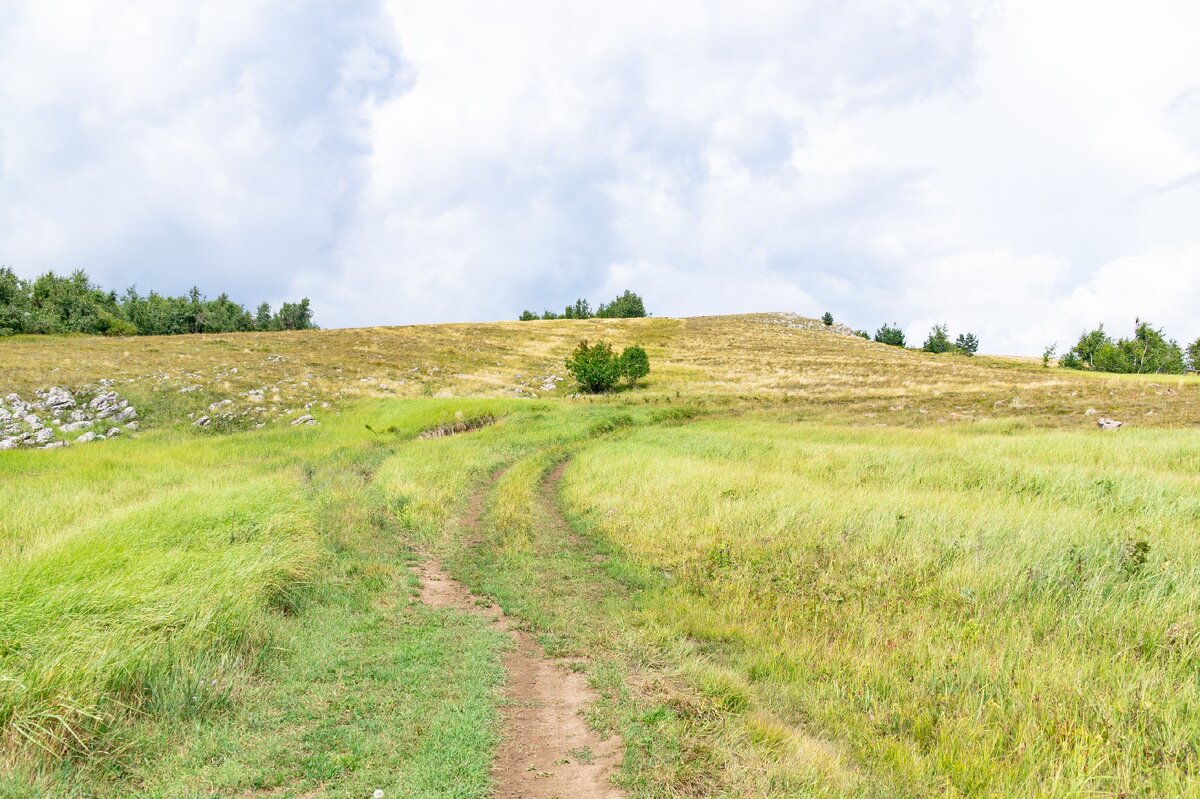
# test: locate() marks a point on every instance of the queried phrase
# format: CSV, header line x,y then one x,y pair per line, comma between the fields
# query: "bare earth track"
x,y
547,750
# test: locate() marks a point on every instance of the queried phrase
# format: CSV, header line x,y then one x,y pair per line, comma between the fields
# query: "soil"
x,y
547,749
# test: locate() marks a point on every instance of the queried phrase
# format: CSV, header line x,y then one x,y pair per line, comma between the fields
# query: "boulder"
x,y
203,421
86,437
59,399
127,415
305,419
71,427
1104,423
131,425
8,443
113,432
43,435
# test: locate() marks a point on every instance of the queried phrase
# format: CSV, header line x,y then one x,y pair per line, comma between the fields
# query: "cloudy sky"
x,y
1021,169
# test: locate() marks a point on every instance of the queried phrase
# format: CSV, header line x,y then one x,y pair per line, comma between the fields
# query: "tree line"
x,y
73,304
623,306
938,340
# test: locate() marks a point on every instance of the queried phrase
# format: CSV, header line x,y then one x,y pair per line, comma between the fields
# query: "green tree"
x,y
938,340
296,316
625,306
263,318
595,367
15,303
635,364
1148,351
527,316
967,343
827,318
890,334
580,310
1193,356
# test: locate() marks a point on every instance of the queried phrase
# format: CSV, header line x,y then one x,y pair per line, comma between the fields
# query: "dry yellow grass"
x,y
755,359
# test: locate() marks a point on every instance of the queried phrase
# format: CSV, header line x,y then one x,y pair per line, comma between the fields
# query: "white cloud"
x,y
999,165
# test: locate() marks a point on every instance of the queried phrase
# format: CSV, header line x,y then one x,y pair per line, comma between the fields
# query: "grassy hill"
x,y
797,564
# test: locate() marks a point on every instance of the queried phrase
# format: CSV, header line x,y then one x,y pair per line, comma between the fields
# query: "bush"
x,y
635,364
1193,356
595,367
624,306
1147,352
827,318
527,316
938,340
890,334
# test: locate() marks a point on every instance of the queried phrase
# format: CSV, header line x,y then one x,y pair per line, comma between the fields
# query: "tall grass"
x,y
989,611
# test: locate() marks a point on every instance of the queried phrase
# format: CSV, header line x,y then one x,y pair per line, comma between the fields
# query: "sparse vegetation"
x,y
938,340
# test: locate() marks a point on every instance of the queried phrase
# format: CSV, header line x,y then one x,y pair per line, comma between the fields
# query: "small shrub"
x,y
635,364
827,318
595,367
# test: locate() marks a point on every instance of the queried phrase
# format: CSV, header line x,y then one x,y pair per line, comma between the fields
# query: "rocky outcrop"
x,y
52,418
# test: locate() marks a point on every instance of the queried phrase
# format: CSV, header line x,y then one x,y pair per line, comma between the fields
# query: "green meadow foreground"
x,y
796,564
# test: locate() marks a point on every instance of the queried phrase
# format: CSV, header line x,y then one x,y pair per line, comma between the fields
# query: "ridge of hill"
x,y
770,358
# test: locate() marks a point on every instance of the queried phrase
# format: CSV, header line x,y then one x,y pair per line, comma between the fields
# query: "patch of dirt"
x,y
547,750
458,426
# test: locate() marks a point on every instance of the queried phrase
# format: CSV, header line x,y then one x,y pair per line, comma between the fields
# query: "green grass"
x,y
188,614
808,567
926,612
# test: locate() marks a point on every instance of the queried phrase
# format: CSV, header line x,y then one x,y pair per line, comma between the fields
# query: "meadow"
x,y
795,564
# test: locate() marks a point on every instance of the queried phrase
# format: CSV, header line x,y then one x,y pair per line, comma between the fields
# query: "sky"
x,y
1019,169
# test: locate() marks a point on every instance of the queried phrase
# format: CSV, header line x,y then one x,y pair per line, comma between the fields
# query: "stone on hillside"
x,y
131,425
59,399
86,437
127,414
305,419
71,427
216,406
203,421
113,432
8,443
1104,423
43,435
1090,412
55,445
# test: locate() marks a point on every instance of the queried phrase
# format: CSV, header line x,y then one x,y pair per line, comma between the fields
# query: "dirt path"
x,y
547,750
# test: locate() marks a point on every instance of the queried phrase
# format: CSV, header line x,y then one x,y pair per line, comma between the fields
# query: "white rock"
x,y
131,425
113,432
8,443
1104,423
71,427
201,422
127,414
305,419
86,437
378,794
43,435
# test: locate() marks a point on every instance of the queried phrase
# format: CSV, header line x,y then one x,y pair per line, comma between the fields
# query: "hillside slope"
x,y
764,358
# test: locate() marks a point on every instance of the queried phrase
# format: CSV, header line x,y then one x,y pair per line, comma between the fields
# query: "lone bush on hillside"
x,y
595,367
635,364
827,318
890,334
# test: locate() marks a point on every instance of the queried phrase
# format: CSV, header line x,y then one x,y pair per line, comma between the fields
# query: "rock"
x,y
216,406
59,399
127,414
1104,423
113,432
55,445
305,419
43,435
103,399
203,421
71,427
86,437
1090,412
8,443
131,425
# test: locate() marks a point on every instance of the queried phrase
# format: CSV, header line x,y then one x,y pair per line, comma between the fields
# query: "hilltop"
x,y
774,359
